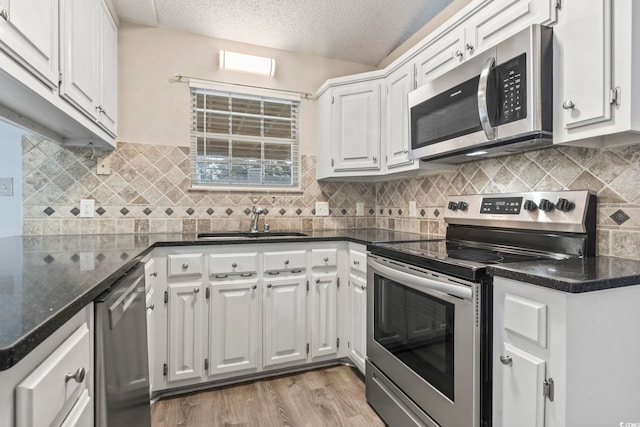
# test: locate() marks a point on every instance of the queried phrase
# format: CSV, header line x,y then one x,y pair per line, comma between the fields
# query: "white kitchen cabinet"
x,y
29,34
356,127
358,329
234,326
150,281
398,85
185,331
440,56
89,60
324,316
565,339
285,334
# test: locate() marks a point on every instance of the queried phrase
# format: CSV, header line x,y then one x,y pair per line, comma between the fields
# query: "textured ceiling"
x,y
363,31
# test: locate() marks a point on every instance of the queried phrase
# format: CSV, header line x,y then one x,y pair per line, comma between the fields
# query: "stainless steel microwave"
x,y
498,102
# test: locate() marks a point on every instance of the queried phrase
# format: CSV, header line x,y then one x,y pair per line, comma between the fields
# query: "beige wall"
x,y
153,110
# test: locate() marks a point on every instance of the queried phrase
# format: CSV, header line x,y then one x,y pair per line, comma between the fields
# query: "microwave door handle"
x,y
483,110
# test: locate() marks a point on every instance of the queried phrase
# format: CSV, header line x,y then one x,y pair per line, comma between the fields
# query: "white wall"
x,y
11,166
153,110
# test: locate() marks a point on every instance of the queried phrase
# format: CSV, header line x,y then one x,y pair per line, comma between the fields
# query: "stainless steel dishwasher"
x,y
122,363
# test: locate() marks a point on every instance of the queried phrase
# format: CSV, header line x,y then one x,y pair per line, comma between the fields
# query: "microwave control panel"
x,y
511,83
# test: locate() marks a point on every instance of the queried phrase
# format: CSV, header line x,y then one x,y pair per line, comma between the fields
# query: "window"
x,y
244,139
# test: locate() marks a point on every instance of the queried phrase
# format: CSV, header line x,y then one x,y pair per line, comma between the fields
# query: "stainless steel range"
x,y
429,311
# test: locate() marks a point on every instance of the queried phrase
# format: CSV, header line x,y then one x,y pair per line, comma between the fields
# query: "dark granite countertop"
x,y
573,275
45,280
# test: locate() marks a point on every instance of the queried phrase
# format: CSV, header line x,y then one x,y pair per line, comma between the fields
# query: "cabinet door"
x,y
150,305
399,84
108,68
324,332
284,320
185,338
582,52
499,20
358,330
439,57
29,33
79,54
233,326
357,127
522,383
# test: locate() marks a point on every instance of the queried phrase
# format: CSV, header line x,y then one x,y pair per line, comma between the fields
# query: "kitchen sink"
x,y
229,235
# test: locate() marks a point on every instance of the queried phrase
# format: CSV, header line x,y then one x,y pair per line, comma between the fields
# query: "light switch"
x,y
103,166
360,209
413,210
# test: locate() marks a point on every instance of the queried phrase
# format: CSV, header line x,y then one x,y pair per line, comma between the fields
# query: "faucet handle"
x,y
266,227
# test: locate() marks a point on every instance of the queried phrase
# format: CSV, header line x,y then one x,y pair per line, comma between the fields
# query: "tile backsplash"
x,y
148,191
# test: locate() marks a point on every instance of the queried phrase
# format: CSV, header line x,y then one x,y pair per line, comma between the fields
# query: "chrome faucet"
x,y
254,219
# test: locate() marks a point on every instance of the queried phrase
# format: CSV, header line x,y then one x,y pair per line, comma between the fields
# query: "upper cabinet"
x,y
29,34
597,56
58,63
89,68
365,134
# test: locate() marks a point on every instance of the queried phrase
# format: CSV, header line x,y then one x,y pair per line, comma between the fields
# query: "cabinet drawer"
x,y
324,257
526,318
289,260
184,265
358,261
45,397
227,264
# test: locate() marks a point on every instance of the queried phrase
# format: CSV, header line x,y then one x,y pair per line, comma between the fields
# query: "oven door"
x,y
422,334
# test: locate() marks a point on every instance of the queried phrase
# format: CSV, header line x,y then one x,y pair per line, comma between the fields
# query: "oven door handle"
x,y
459,291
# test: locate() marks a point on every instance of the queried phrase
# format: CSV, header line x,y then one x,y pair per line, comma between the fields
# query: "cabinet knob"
x,y
326,259
356,262
154,274
506,360
4,14
100,109
568,105
185,266
151,307
254,286
375,159
406,151
317,281
234,265
286,262
269,285
78,376
363,287
196,290
469,46
459,53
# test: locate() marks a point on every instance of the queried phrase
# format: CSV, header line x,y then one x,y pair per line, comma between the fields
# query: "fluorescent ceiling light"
x,y
247,63
476,153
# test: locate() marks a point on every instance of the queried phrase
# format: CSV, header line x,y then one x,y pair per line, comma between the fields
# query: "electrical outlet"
x,y
360,209
86,261
103,166
6,186
413,210
86,208
322,208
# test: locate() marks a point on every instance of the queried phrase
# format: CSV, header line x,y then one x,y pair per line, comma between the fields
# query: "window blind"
x,y
243,140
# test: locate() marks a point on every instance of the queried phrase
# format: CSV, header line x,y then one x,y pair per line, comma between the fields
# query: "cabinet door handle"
x,y
363,287
154,274
221,276
469,46
326,259
234,265
506,360
246,274
459,53
317,281
274,273
78,376
375,159
356,262
568,105
185,266
151,307
269,285
254,286
196,290
286,262
4,14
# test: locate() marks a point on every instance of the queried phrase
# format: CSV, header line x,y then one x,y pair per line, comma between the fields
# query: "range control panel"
x,y
540,210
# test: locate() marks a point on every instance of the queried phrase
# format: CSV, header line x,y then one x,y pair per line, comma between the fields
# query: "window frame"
x,y
249,92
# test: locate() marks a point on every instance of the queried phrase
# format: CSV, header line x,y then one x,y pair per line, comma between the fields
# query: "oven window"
x,y
418,329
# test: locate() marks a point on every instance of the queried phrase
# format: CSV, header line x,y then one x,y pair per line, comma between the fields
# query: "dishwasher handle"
x,y
130,284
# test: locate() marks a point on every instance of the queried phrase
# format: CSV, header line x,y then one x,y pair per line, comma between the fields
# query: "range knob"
x,y
530,205
546,205
453,206
564,205
463,206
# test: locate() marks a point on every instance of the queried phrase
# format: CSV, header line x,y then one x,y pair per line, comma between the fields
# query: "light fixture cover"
x,y
247,63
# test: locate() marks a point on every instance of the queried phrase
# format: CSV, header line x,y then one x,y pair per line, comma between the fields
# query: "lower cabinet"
x,y
285,338
234,326
324,314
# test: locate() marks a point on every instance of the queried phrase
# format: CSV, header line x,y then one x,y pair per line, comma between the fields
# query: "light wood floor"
x,y
325,397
